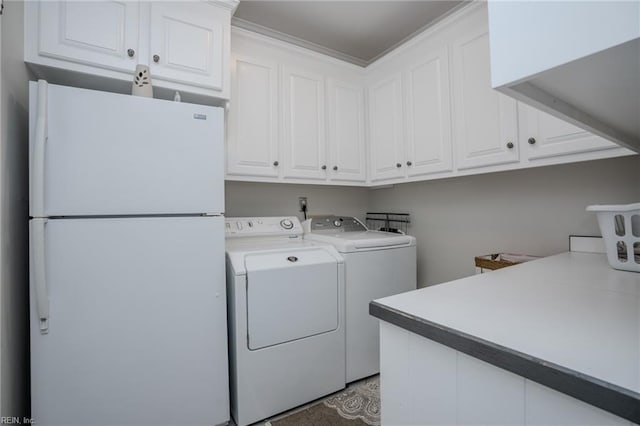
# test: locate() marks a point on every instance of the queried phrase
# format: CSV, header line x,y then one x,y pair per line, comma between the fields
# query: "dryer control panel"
x,y
334,224
262,226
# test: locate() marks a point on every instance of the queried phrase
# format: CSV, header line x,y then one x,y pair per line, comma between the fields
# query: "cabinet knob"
x,y
398,165
131,53
324,167
531,141
510,145
275,163
409,163
156,58
335,168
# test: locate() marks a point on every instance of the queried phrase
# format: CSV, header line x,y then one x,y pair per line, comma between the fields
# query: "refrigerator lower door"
x,y
98,154
137,329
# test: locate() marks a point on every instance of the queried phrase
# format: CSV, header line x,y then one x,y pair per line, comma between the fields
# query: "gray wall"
x,y
529,211
272,199
14,320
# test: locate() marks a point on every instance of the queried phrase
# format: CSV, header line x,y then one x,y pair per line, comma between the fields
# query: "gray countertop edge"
x,y
606,396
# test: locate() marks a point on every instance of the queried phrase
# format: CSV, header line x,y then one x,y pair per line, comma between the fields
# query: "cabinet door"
x,y
346,132
385,129
544,135
428,139
304,145
252,143
187,43
485,129
100,33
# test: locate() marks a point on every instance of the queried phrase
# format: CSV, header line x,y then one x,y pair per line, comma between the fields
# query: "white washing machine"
x,y
286,317
377,264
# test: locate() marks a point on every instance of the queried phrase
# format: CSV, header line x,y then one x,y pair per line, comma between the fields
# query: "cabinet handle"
x,y
510,145
324,167
409,163
335,168
275,163
156,58
531,141
398,165
131,53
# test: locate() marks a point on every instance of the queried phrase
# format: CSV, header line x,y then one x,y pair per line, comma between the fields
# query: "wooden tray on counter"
x,y
501,260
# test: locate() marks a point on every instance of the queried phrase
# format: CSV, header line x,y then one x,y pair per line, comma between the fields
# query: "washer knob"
x,y
286,223
337,223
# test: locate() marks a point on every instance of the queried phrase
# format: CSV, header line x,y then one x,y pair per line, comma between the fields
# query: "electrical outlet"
x,y
302,203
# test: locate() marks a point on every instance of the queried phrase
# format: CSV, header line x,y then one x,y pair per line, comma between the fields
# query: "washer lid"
x,y
346,242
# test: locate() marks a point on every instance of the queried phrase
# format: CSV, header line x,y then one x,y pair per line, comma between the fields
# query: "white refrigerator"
x,y
127,281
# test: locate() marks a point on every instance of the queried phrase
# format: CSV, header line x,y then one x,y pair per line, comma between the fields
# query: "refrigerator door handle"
x,y
38,273
37,166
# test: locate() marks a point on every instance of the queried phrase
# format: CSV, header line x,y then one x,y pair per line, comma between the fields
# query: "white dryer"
x,y
377,264
286,317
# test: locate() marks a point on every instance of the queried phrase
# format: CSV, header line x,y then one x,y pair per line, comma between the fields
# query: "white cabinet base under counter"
x,y
552,341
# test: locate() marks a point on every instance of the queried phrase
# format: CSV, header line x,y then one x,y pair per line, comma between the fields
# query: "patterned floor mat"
x,y
357,405
360,400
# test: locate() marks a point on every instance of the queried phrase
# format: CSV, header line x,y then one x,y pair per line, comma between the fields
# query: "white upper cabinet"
x,y
544,136
101,33
385,128
583,66
293,116
428,115
346,145
303,141
187,43
485,122
424,111
252,138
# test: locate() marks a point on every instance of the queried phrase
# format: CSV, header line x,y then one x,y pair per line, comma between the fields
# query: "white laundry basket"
x,y
620,227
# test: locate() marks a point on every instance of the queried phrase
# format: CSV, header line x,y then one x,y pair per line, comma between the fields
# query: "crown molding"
x,y
427,29
268,32
231,5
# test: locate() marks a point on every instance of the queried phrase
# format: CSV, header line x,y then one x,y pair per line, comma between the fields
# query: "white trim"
x,y
276,38
428,31
418,34
294,181
230,5
261,38
286,38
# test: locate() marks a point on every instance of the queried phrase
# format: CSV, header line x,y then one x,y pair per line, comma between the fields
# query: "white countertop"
x,y
571,309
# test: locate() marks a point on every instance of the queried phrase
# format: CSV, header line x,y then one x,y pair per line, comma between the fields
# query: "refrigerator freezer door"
x,y
137,326
112,154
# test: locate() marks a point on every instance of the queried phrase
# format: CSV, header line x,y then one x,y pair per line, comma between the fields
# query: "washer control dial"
x,y
337,223
286,223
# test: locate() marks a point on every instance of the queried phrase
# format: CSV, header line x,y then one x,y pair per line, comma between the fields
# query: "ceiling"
x,y
355,31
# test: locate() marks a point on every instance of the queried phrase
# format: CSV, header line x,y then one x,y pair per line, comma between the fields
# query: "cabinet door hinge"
x,y
1,7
